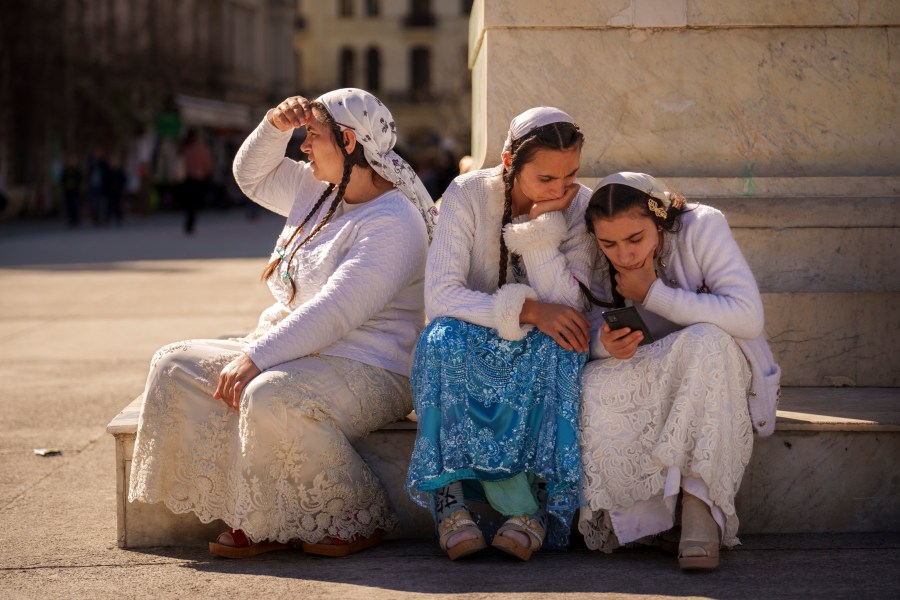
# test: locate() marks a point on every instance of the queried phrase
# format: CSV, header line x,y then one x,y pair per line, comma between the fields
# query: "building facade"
x,y
78,75
411,53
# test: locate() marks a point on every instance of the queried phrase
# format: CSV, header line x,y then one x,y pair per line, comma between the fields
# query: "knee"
x,y
169,356
705,333
443,330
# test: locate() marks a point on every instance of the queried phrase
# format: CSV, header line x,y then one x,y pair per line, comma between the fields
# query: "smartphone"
x,y
628,316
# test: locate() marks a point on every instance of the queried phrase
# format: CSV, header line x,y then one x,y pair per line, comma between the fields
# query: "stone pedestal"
x,y
697,88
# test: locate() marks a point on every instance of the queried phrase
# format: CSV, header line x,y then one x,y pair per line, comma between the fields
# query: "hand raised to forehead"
x,y
293,113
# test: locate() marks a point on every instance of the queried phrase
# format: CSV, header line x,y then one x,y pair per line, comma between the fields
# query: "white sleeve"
x,y
733,304
386,258
446,276
263,172
558,252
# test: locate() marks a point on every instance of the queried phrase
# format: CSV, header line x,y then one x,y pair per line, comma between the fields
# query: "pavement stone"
x,y
82,311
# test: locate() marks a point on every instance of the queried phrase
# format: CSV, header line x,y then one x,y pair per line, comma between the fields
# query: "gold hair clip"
x,y
655,208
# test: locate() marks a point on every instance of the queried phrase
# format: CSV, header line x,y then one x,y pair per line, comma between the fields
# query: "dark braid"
x,y
554,136
508,178
358,158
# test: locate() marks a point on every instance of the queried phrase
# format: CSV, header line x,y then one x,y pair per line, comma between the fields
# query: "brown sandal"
x,y
339,547
241,547
525,524
458,522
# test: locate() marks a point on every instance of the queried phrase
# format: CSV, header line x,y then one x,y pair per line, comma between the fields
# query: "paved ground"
x,y
81,312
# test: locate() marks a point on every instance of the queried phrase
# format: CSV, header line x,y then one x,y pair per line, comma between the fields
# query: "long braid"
x,y
508,179
273,265
357,159
342,186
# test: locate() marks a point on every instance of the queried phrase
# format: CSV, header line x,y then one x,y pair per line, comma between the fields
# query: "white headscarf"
x,y
371,121
532,119
641,181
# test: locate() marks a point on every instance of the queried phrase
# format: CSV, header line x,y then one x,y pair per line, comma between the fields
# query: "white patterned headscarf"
x,y
530,120
371,121
648,184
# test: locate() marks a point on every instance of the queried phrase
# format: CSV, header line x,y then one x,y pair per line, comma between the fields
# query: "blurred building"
x,y
78,77
411,53
89,78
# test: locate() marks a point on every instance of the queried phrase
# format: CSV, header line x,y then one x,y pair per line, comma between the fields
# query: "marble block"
x,y
835,338
756,90
141,525
815,482
827,468
822,260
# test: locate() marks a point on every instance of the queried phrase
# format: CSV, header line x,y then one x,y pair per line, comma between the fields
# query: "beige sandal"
x,y
700,538
459,522
524,524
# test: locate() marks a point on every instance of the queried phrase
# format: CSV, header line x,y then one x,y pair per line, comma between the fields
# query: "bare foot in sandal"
x,y
520,536
234,544
459,535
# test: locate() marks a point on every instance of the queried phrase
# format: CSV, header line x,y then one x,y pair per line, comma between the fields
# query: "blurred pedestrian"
x,y
198,168
114,189
71,180
96,179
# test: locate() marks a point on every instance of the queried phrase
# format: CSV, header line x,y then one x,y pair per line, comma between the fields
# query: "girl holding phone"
x,y
675,417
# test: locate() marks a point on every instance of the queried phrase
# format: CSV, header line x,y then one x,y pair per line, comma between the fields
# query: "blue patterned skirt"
x,y
490,408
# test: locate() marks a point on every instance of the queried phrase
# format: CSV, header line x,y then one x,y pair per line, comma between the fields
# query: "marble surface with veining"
x,y
740,95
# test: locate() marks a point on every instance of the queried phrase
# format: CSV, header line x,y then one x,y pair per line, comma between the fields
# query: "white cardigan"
x,y
463,262
705,279
359,281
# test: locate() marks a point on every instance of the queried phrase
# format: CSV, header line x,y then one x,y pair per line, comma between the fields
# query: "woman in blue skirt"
x,y
496,373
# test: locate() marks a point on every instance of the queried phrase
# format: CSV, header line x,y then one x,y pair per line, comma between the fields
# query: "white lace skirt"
x,y
674,415
284,467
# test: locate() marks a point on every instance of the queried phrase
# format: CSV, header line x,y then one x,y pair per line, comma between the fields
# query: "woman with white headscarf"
x,y
496,373
258,431
675,416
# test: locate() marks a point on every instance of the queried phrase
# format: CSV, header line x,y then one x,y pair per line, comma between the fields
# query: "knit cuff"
x,y
508,302
660,298
546,231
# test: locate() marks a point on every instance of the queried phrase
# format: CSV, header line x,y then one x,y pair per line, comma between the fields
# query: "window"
x,y
373,69
420,14
347,68
372,8
345,8
420,73
465,7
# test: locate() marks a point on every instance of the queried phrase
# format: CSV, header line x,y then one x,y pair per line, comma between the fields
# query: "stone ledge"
x,y
800,409
786,489
800,192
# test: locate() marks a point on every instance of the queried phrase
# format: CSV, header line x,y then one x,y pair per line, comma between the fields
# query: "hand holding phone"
x,y
629,317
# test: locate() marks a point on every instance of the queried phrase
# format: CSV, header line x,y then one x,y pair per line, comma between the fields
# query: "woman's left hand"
x,y
233,380
634,284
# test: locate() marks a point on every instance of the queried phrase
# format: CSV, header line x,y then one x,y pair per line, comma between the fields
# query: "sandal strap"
x,y
239,538
457,522
527,525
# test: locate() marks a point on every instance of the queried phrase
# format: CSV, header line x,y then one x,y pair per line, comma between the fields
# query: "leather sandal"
x,y
241,547
700,537
458,522
339,547
525,524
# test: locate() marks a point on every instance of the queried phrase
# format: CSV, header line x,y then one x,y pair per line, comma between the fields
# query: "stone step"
x,y
827,468
835,339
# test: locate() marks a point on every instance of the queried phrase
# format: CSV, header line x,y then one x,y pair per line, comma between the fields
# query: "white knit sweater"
x,y
464,259
705,279
359,281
